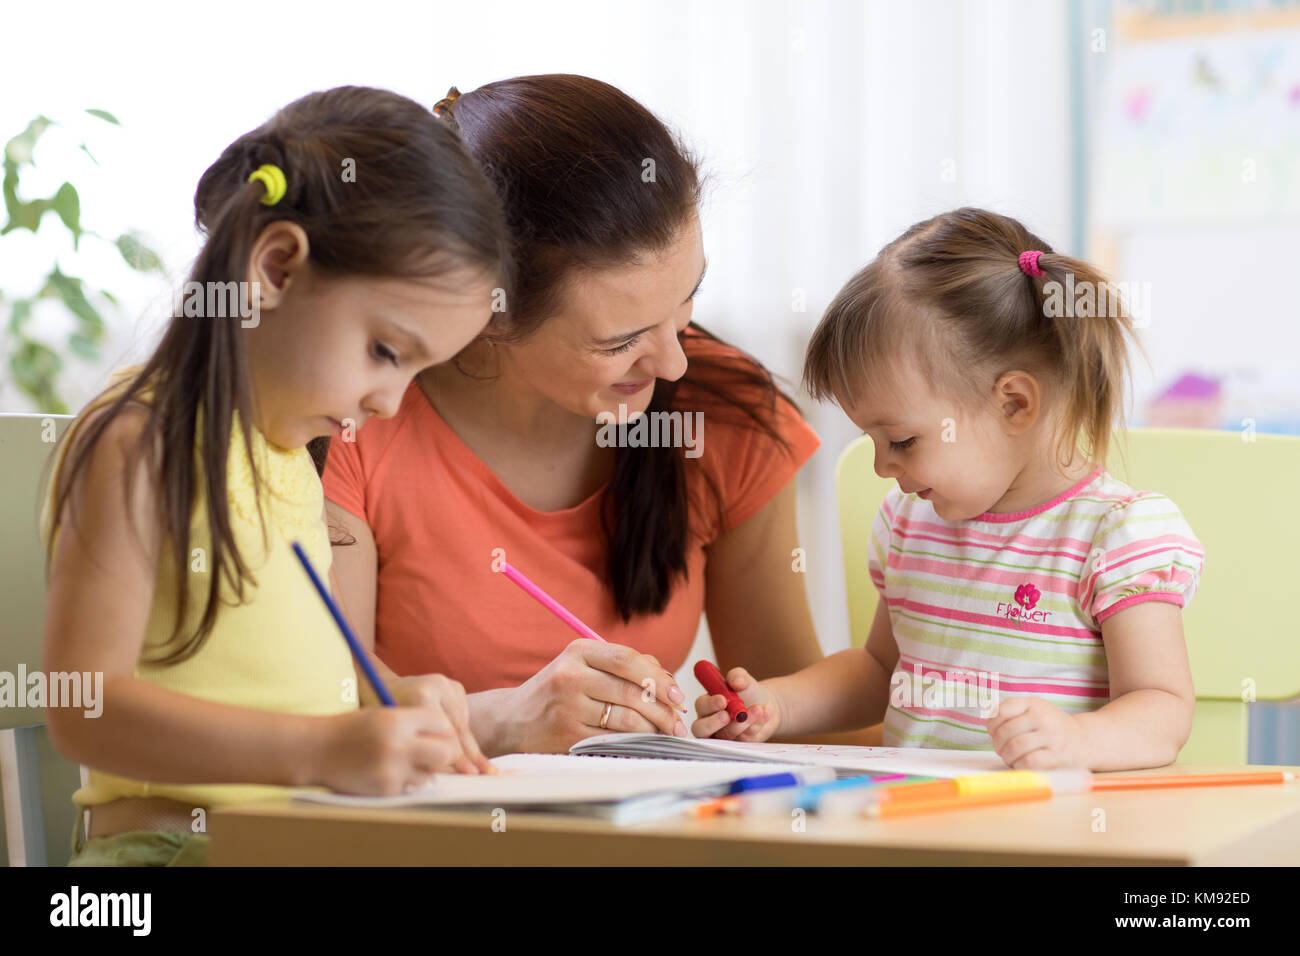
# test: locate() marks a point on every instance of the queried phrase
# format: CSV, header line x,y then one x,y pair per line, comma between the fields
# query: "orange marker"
x,y
1190,780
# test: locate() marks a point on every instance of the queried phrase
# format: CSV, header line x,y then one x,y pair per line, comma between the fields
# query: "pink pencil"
x,y
548,602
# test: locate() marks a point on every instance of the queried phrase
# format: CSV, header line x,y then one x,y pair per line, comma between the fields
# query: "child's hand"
x,y
763,707
383,751
443,693
1030,733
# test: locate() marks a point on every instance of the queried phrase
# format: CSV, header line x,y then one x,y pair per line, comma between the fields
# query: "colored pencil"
x,y
357,651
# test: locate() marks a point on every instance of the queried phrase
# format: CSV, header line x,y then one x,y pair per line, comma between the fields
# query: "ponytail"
x,y
420,208
970,294
1093,331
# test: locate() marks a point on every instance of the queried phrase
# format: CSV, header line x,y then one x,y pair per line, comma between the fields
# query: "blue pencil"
x,y
348,636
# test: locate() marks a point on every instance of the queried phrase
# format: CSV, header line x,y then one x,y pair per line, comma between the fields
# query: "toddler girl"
x,y
1031,601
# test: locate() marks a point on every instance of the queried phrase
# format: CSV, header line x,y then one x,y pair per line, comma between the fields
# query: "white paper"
x,y
918,761
555,779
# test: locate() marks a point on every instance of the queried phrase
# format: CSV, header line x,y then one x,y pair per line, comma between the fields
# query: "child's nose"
x,y
383,403
885,466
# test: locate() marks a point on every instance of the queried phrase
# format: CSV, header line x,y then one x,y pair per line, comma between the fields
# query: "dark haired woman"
x,y
508,452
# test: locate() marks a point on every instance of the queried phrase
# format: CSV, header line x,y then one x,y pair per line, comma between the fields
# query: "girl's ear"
x,y
279,252
1018,398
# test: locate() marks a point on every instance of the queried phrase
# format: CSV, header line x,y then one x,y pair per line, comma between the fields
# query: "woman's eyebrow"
x,y
703,272
629,335
619,338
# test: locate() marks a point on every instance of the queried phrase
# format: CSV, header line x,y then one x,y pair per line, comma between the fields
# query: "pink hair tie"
x,y
1029,263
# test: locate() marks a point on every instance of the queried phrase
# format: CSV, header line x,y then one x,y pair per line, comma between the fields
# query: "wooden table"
x,y
1221,826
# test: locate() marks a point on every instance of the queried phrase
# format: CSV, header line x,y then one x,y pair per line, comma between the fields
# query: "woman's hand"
x,y
565,701
443,694
762,706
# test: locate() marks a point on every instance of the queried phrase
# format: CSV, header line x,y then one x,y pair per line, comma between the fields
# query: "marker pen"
x,y
711,678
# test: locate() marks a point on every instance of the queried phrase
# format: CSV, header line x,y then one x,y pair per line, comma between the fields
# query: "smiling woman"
x,y
507,448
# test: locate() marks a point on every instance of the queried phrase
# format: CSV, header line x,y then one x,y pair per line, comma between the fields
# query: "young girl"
x,y
1031,600
350,242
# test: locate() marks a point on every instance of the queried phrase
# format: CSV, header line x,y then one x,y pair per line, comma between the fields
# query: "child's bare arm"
x,y
1149,717
848,690
1147,721
101,588
845,691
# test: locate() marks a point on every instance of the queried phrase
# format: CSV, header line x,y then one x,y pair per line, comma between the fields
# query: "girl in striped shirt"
x,y
1031,601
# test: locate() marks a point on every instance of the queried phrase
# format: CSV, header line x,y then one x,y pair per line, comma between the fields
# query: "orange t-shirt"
x,y
437,512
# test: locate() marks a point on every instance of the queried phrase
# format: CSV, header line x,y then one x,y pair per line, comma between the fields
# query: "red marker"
x,y
708,675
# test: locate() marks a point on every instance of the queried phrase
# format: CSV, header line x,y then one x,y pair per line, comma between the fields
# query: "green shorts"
x,y
138,848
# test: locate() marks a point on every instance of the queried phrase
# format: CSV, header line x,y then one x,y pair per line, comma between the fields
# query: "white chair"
x,y
35,781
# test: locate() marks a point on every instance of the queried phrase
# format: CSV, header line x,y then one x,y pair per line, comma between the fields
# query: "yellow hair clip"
x,y
272,177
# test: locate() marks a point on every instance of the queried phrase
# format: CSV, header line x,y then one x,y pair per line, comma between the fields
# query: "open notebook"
x,y
623,791
847,761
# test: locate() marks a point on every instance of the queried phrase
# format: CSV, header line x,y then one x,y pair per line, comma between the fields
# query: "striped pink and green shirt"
x,y
1011,605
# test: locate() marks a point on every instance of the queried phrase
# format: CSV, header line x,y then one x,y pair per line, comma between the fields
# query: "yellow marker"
x,y
1003,781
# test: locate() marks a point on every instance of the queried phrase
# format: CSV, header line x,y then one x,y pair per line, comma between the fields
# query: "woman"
x,y
508,452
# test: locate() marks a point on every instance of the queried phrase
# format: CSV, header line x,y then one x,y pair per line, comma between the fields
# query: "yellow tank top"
x,y
280,650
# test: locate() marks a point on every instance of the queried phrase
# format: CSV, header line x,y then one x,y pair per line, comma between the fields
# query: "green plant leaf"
x,y
10,189
35,367
83,345
86,149
18,316
137,255
105,115
74,297
67,204
25,215
19,149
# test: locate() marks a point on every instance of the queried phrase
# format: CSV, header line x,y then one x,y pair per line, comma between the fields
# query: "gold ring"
x,y
604,718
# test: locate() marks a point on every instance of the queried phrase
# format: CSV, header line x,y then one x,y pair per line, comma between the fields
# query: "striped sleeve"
x,y
878,546
1144,550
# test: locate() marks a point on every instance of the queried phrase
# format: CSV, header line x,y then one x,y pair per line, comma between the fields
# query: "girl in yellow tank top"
x,y
349,243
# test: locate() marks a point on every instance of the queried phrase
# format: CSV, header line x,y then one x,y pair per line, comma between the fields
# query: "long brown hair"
x,y
567,155
949,293
416,206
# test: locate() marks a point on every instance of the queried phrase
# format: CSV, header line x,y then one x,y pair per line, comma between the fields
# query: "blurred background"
x,y
1159,139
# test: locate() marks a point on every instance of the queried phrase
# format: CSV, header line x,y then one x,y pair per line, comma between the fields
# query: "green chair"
x,y
35,781
1238,493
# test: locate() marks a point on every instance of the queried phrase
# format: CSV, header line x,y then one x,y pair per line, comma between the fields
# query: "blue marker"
x,y
846,798
833,798
810,797
775,781
348,636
